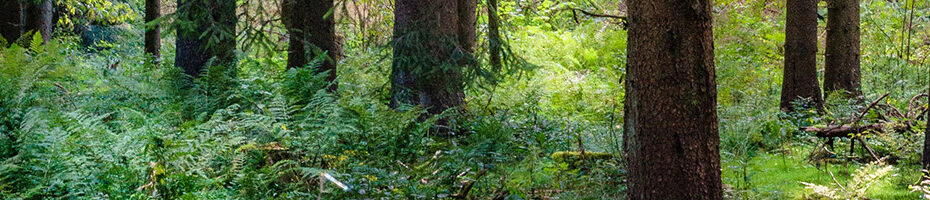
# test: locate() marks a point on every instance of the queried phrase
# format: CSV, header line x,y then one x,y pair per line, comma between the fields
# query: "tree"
x,y
433,40
925,156
494,35
670,126
152,34
39,18
842,49
311,32
11,21
207,30
800,73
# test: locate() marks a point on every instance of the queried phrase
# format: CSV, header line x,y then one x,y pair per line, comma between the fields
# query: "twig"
x,y
835,181
341,185
866,111
911,106
867,148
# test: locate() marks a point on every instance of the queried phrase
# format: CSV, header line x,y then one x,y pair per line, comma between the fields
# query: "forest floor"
x,y
778,175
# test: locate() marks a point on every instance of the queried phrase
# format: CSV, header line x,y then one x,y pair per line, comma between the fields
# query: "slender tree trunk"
x,y
925,157
11,20
494,35
217,17
670,126
842,50
800,73
153,34
468,18
432,41
310,33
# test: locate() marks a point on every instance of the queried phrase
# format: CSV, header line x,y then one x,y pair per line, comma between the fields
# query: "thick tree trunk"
x,y
432,40
311,32
800,73
494,35
216,16
670,126
11,20
39,18
153,35
842,50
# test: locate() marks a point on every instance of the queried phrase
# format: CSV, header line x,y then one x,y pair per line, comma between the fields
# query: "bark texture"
x,y
841,72
800,73
467,19
670,127
215,17
433,40
925,156
494,35
311,33
11,20
39,18
153,34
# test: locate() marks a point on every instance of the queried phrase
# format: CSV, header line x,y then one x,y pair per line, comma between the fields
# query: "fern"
x,y
864,178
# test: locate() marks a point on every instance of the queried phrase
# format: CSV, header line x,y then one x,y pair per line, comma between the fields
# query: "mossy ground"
x,y
779,176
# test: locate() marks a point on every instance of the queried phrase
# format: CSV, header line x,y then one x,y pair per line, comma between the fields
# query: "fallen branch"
x,y
598,14
847,130
871,105
871,152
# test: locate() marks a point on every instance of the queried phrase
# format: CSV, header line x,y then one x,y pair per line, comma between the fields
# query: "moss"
x,y
575,159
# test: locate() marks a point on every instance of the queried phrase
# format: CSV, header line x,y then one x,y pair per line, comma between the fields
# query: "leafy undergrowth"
x,y
83,126
100,124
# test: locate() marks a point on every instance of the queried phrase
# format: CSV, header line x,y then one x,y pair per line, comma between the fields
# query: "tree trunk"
x,y
842,50
925,157
311,32
153,34
216,17
432,41
468,18
11,21
800,73
39,18
494,35
670,126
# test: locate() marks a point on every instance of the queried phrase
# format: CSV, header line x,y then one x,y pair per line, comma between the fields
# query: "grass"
x,y
775,175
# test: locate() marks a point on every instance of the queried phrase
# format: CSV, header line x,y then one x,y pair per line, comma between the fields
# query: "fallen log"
x,y
847,130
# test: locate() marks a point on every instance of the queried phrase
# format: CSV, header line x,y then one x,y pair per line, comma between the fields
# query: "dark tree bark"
x,y
670,126
39,18
800,73
311,32
216,17
153,34
494,35
11,20
30,15
842,51
468,19
432,41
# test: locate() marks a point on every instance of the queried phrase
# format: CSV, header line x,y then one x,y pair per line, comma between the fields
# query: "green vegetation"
x,y
102,123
